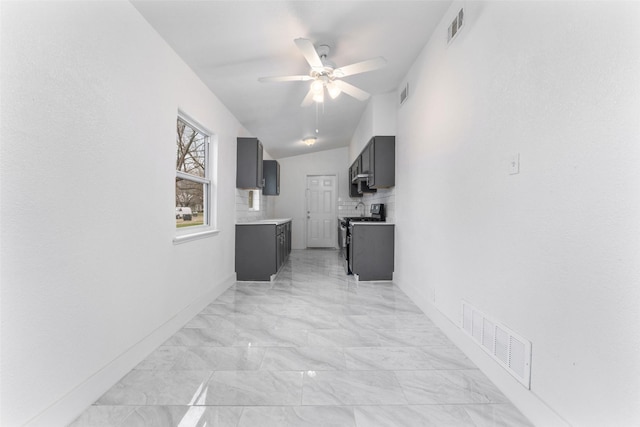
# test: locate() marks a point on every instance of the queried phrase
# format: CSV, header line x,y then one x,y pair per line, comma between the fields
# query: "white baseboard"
x,y
534,408
69,407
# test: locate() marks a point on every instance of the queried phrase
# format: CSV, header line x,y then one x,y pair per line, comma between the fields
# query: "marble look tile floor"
x,y
312,348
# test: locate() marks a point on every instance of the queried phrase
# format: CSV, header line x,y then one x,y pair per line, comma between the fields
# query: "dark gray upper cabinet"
x,y
358,186
365,159
249,164
355,168
375,167
381,151
353,186
271,169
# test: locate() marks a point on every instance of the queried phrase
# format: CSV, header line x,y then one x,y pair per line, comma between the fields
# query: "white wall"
x,y
551,252
379,118
91,278
291,202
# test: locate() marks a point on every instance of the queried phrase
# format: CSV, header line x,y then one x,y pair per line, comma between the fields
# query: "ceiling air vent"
x,y
404,94
455,26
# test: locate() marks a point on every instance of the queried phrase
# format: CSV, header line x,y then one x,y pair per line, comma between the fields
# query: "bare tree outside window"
x,y
192,182
191,150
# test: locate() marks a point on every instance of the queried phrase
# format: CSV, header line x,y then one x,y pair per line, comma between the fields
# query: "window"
x,y
192,175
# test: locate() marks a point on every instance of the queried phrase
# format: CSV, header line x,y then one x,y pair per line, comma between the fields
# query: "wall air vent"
x,y
404,94
455,26
511,351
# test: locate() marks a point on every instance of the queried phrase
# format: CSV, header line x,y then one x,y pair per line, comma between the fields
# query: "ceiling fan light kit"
x,y
318,96
317,86
324,74
333,90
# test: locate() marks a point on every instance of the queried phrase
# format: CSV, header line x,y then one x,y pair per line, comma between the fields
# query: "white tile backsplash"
x,y
243,214
347,206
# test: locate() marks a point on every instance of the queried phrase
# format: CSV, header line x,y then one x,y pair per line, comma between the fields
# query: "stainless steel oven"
x,y
342,235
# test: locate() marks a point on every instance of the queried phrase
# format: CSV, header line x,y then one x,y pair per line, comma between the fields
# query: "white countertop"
x,y
340,218
275,221
376,223
353,216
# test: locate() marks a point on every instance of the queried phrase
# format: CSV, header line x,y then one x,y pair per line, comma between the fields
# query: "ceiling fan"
x,y
324,74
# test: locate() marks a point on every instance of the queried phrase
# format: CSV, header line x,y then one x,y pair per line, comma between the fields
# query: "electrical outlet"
x,y
514,164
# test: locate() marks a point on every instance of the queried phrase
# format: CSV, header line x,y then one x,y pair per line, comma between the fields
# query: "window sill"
x,y
194,236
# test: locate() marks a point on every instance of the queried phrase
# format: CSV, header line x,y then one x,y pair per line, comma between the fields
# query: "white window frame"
x,y
207,229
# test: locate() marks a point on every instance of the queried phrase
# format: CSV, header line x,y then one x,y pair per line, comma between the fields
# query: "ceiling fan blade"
x,y
285,79
351,90
360,67
308,100
309,52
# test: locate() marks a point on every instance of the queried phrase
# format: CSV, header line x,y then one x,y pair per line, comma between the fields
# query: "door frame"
x,y
306,204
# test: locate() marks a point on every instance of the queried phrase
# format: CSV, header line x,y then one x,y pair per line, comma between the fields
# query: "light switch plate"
x,y
514,164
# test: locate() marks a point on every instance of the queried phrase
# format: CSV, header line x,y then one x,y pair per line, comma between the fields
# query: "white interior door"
x,y
321,211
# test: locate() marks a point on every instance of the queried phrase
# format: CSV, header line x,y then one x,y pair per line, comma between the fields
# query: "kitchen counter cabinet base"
x,y
261,250
373,252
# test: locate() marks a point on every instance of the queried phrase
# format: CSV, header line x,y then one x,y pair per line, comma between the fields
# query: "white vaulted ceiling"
x,y
230,44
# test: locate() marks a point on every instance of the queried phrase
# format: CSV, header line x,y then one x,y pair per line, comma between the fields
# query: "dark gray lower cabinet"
x,y
261,250
371,251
